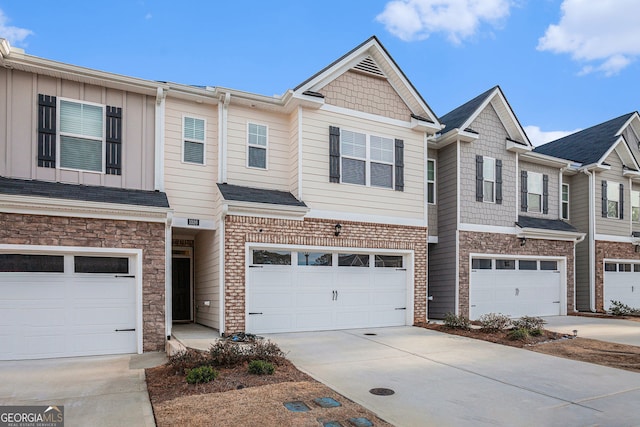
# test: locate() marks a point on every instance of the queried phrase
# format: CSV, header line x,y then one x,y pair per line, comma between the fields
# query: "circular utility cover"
x,y
382,391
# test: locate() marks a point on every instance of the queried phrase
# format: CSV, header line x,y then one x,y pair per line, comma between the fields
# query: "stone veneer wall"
x,y
609,250
314,232
507,244
18,229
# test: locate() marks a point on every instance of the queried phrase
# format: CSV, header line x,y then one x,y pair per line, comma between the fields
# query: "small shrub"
x,y
202,374
529,323
619,309
261,367
535,332
227,353
456,322
188,359
492,322
266,350
519,334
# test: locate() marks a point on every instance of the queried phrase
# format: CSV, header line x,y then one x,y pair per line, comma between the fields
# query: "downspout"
x,y
161,95
168,315
300,152
222,137
221,276
457,260
592,240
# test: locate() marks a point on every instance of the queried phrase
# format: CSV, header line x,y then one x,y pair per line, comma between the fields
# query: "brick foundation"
x,y
609,250
20,229
314,232
493,243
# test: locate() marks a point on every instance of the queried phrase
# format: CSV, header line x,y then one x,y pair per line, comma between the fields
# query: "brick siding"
x,y
314,232
493,243
18,229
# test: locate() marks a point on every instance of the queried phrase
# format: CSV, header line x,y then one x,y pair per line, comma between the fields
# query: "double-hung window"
x,y
82,135
431,181
565,201
366,159
534,189
489,179
635,206
613,201
257,146
193,150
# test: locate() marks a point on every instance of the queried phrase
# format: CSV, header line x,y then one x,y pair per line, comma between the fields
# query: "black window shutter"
x,y
113,156
46,131
604,198
399,165
334,154
545,194
479,179
524,192
499,182
621,207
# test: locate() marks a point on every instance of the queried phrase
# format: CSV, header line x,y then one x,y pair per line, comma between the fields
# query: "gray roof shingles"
x,y
258,195
458,116
587,146
545,224
87,193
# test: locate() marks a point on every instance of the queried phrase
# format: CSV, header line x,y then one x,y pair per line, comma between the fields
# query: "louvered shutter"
x,y
545,194
399,165
604,199
479,179
334,154
46,131
524,192
621,207
499,182
113,157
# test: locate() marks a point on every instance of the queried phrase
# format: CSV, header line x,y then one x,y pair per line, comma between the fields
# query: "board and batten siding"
x,y
190,187
433,209
321,194
579,218
19,122
206,275
442,255
277,176
554,196
613,176
491,143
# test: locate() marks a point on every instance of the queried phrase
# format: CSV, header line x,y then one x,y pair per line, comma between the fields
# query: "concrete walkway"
x,y
598,328
95,391
446,380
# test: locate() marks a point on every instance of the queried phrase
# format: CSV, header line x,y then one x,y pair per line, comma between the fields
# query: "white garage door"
x,y
312,290
515,287
622,283
65,305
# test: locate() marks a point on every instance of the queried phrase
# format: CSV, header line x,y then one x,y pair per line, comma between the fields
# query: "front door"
x,y
181,285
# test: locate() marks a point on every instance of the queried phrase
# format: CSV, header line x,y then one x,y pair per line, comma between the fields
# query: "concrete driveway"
x,y
598,328
95,391
446,380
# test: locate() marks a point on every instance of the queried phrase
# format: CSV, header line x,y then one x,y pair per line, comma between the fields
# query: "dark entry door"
x,y
181,285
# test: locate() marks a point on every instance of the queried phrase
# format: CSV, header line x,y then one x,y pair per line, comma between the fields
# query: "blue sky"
x,y
563,64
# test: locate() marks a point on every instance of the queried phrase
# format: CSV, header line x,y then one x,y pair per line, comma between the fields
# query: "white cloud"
x,y
604,35
538,137
458,19
14,35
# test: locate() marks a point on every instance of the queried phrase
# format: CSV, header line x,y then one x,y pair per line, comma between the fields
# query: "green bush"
x,y
188,359
492,322
202,374
529,323
519,334
261,367
456,322
619,309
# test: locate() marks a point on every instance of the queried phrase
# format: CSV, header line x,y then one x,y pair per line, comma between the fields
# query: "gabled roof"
x,y
371,55
588,146
463,116
239,193
85,193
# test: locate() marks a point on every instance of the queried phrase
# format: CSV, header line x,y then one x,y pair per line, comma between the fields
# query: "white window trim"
x,y
59,133
617,199
435,198
368,160
203,142
493,198
265,147
632,206
529,181
563,202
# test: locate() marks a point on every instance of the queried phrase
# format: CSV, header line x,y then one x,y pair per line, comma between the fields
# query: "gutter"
x,y
161,95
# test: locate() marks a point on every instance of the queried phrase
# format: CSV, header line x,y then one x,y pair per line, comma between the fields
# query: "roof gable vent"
x,y
369,66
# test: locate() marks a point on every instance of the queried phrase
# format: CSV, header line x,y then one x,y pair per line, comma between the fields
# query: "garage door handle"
x,y
255,266
401,308
556,302
401,269
255,312
126,330
126,276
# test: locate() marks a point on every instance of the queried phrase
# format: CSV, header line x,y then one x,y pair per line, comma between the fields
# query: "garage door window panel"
x,y
101,265
18,263
481,264
314,259
388,261
548,265
610,266
624,268
353,260
266,257
505,264
527,265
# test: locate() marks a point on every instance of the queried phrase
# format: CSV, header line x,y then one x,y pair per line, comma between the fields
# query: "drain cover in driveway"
x,y
382,391
297,406
326,402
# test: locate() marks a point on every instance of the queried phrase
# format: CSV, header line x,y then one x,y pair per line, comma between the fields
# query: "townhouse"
x,y
601,196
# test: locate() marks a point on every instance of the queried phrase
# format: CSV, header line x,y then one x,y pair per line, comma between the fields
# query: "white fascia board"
x,y
480,228
5,48
204,224
622,149
516,147
355,217
544,234
232,207
423,126
82,209
633,117
616,239
595,167
545,160
452,136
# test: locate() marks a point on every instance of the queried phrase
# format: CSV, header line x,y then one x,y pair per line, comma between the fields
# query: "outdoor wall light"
x,y
523,241
338,228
